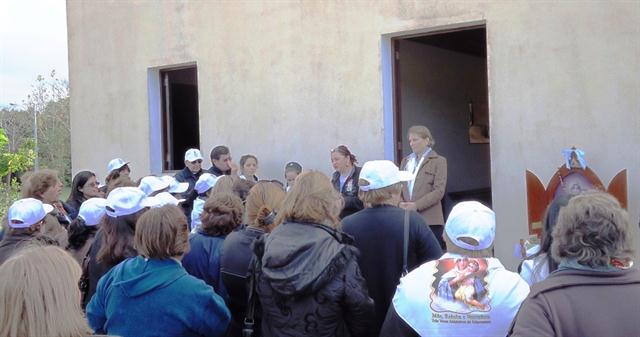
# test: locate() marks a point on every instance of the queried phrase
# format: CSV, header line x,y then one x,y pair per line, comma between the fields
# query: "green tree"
x,y
48,105
14,162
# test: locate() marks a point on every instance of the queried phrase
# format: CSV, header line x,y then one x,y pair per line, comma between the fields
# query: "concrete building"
x,y
290,80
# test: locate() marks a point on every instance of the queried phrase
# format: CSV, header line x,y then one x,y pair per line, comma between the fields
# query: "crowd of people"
x,y
365,252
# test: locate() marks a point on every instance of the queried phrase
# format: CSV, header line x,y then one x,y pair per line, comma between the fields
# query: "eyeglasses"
x,y
199,161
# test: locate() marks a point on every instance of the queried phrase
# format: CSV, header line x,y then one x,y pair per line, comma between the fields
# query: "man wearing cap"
x,y
25,217
221,162
378,232
466,292
192,168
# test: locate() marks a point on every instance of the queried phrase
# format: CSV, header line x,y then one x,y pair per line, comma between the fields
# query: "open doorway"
x,y
180,116
440,81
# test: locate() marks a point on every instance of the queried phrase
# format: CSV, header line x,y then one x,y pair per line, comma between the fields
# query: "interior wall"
x,y
436,86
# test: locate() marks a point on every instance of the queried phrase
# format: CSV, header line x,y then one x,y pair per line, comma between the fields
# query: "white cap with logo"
x,y
92,211
150,184
193,155
382,173
116,164
471,219
26,212
126,200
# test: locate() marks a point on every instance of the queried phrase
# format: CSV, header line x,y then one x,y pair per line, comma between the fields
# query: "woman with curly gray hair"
x,y
594,245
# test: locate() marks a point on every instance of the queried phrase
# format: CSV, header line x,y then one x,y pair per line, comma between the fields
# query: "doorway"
x,y
180,115
440,81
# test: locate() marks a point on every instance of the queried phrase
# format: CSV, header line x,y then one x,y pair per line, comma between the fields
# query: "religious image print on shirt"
x,y
460,286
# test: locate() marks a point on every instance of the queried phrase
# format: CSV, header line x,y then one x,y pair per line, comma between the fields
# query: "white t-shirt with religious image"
x,y
460,296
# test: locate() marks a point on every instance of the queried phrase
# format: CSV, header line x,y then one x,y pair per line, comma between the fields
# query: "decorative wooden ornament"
x,y
573,177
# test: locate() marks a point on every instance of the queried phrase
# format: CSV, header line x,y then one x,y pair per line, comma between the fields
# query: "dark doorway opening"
x,y
440,81
180,115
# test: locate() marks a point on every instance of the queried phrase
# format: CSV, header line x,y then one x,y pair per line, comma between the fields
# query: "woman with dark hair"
x,y
83,228
248,167
307,278
261,206
221,214
114,240
539,265
151,294
594,244
84,186
345,179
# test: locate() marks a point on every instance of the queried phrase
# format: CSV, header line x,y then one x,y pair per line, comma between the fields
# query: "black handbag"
x,y
83,284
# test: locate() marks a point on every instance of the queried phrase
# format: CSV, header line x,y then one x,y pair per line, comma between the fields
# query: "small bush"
x,y
9,193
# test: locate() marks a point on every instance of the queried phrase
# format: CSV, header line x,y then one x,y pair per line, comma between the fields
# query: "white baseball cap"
x,y
382,173
205,182
126,200
150,184
116,164
92,211
26,212
164,198
474,220
193,155
174,185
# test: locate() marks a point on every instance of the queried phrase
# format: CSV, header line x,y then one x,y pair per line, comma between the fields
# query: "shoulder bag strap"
x,y
83,284
247,326
405,246
252,299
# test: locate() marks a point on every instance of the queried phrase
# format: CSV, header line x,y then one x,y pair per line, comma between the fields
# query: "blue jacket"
x,y
153,297
203,260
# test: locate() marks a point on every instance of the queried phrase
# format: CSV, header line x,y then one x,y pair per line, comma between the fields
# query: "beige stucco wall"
x,y
290,80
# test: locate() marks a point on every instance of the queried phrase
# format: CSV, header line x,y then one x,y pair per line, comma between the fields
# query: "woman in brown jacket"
x,y
424,193
596,289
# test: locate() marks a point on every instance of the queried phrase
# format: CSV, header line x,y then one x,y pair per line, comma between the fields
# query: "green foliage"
x,y
14,162
48,104
8,194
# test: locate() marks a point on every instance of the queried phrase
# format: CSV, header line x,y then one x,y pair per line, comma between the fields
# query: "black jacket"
x,y
379,236
186,176
395,326
310,283
218,172
349,192
235,260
